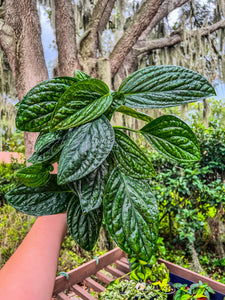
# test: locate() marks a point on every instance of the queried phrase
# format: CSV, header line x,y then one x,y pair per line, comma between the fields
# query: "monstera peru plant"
x,y
102,173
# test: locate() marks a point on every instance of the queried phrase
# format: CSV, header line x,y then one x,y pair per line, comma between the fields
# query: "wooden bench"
x,y
91,278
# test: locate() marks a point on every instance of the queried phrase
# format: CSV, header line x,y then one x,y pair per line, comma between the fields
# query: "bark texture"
x,y
139,23
176,38
20,39
66,38
128,65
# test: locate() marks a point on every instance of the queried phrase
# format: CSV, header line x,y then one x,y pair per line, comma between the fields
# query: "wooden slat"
x,y
122,266
103,277
86,270
115,272
192,276
97,287
62,296
124,260
79,291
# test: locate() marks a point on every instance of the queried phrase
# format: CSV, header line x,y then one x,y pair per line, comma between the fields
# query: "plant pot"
x,y
171,293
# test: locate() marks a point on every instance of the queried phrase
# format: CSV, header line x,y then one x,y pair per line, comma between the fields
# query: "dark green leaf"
x,y
90,112
136,114
45,139
79,75
131,215
45,200
51,148
131,159
118,100
78,97
85,150
50,154
84,228
164,86
173,138
36,108
90,188
35,175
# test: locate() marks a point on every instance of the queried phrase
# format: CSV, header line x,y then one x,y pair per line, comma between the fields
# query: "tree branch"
x,y
163,11
174,39
106,15
139,23
66,38
88,45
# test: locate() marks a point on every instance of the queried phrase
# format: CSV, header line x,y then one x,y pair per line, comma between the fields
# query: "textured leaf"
x,y
173,138
85,150
131,215
131,159
90,188
45,139
79,75
84,228
164,86
45,200
118,100
136,114
50,154
35,175
78,97
36,108
51,148
90,112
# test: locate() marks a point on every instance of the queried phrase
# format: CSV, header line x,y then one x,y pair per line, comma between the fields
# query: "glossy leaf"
x,y
90,112
84,228
172,138
135,114
118,101
45,139
85,149
90,188
78,97
35,175
51,148
131,215
130,158
50,154
45,200
36,108
79,75
164,86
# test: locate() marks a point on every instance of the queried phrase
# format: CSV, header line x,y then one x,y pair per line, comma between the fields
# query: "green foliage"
x,y
143,271
73,118
8,179
84,228
44,200
13,141
131,290
13,228
36,108
164,86
189,196
195,291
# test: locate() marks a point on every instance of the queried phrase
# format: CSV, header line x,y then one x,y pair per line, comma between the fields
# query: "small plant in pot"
x,y
199,291
130,290
102,173
156,275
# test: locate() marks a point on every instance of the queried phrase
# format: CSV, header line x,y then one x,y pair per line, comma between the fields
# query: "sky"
x,y
48,38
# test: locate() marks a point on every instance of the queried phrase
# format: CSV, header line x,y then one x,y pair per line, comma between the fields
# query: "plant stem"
x,y
122,127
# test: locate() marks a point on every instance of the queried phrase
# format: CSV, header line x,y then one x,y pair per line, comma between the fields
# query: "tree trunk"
x,y
214,224
20,39
66,38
